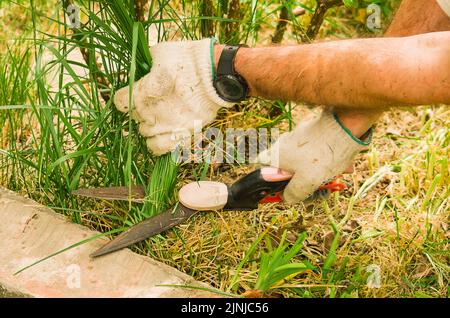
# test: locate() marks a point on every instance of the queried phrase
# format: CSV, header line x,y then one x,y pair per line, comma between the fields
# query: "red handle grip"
x,y
331,186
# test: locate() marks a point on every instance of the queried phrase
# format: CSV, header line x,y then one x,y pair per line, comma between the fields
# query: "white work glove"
x,y
316,151
177,92
445,5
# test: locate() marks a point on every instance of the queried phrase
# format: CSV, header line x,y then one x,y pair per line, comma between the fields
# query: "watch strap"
x,y
226,60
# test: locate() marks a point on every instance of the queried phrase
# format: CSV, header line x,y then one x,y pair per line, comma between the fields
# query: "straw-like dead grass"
x,y
400,224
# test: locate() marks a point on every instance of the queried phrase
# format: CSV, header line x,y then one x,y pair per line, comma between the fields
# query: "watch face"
x,y
230,88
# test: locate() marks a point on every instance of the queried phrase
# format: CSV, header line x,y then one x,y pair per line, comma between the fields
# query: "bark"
x,y
233,12
139,10
88,56
207,10
317,19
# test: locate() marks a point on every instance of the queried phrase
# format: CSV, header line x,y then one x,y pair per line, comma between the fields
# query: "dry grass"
x,y
396,225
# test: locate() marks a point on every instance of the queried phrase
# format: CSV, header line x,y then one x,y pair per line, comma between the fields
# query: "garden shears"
x,y
263,185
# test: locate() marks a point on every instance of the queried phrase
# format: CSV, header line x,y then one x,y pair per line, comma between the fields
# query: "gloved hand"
x,y
178,91
316,151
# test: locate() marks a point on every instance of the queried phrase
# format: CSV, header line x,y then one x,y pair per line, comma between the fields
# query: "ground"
x,y
6,294
386,236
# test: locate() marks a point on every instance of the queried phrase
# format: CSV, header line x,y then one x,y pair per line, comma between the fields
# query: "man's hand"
x,y
316,151
177,92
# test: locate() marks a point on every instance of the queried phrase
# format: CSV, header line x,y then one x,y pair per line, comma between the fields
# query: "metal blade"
x,y
147,228
114,193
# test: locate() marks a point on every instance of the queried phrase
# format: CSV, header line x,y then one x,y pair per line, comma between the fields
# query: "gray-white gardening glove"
x,y
316,151
176,94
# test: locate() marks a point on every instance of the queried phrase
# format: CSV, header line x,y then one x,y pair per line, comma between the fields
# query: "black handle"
x,y
247,192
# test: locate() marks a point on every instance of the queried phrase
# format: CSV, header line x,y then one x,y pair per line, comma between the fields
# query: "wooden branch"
x,y
233,12
283,20
317,19
281,26
98,76
207,10
139,10
298,11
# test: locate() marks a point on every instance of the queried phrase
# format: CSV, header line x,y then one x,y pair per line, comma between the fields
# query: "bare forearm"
x,y
369,73
413,17
418,17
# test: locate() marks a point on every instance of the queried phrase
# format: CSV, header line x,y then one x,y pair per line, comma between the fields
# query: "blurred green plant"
x,y
276,265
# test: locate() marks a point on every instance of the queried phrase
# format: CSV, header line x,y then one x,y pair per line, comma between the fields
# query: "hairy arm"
x,y
357,73
412,17
417,17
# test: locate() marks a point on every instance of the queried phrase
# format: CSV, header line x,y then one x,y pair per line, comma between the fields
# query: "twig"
x,y
298,11
207,25
139,10
233,12
96,73
283,21
281,26
317,19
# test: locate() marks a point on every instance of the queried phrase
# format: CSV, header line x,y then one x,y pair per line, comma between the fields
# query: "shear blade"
x,y
147,228
135,194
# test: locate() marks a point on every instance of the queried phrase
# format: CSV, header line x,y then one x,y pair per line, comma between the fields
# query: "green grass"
x,y
15,88
81,135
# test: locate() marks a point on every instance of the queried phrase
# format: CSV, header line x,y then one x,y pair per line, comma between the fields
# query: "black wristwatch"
x,y
229,85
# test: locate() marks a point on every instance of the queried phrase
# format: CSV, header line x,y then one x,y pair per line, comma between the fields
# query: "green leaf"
x,y
351,3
